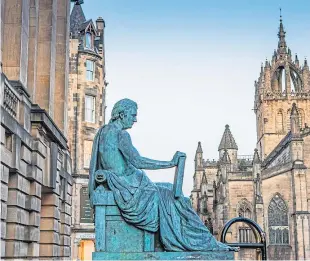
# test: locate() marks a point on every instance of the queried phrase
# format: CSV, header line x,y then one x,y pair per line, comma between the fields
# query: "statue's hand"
x,y
176,157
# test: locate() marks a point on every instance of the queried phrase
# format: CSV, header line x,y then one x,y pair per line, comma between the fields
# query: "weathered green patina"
x,y
133,214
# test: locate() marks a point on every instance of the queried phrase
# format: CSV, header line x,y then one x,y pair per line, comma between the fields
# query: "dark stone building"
x,y
271,187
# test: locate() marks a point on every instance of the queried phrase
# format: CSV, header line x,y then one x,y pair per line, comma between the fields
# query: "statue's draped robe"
x,y
152,207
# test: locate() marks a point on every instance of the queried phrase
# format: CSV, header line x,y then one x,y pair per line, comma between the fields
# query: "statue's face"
x,y
129,118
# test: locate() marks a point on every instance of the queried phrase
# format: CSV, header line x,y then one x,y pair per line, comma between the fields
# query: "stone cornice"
x,y
39,115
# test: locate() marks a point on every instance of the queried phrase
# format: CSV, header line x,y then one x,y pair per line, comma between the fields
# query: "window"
x,y
88,41
89,70
279,122
278,221
90,108
87,152
245,210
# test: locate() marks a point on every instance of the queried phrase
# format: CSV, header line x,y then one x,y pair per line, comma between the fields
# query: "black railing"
x,y
257,231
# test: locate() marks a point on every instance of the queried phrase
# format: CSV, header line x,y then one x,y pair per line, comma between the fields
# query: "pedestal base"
x,y
210,255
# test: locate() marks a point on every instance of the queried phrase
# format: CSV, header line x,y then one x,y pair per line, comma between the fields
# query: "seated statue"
x,y
146,205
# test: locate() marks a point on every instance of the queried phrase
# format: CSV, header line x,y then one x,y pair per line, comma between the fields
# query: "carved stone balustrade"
x,y
11,99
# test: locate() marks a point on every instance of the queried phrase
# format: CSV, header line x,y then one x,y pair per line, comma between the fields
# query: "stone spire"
x,y
256,159
199,149
228,141
199,157
77,18
281,34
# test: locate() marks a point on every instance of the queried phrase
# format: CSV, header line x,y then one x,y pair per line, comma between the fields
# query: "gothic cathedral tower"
x,y
282,82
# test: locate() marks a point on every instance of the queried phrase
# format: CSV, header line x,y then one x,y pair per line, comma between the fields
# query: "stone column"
x,y
1,32
15,39
32,46
46,56
62,64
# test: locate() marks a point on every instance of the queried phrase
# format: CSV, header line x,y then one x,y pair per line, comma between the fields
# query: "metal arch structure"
x,y
257,231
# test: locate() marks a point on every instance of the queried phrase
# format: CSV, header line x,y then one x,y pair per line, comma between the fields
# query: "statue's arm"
x,y
133,156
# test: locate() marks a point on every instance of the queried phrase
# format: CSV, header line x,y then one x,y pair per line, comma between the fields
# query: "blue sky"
x,y
191,65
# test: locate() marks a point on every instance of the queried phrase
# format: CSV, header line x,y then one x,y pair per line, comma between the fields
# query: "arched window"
x,y
279,122
278,221
88,41
284,74
245,210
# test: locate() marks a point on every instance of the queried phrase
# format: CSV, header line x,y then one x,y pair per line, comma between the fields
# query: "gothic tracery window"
x,y
278,221
244,209
245,233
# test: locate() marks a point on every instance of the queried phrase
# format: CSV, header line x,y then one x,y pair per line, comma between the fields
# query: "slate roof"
x,y
273,154
85,24
228,141
77,18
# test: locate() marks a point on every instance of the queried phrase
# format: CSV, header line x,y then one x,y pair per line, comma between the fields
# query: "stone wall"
x,y
35,46
36,182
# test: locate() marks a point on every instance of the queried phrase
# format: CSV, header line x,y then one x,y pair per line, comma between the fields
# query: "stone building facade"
x,y
36,181
86,114
271,187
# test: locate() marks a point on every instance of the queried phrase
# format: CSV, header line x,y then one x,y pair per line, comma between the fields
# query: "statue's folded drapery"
x,y
152,207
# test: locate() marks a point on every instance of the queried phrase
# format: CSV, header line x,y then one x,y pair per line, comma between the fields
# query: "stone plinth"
x,y
210,255
114,234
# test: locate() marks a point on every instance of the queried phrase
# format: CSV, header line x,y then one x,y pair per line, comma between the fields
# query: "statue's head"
x,y
125,111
